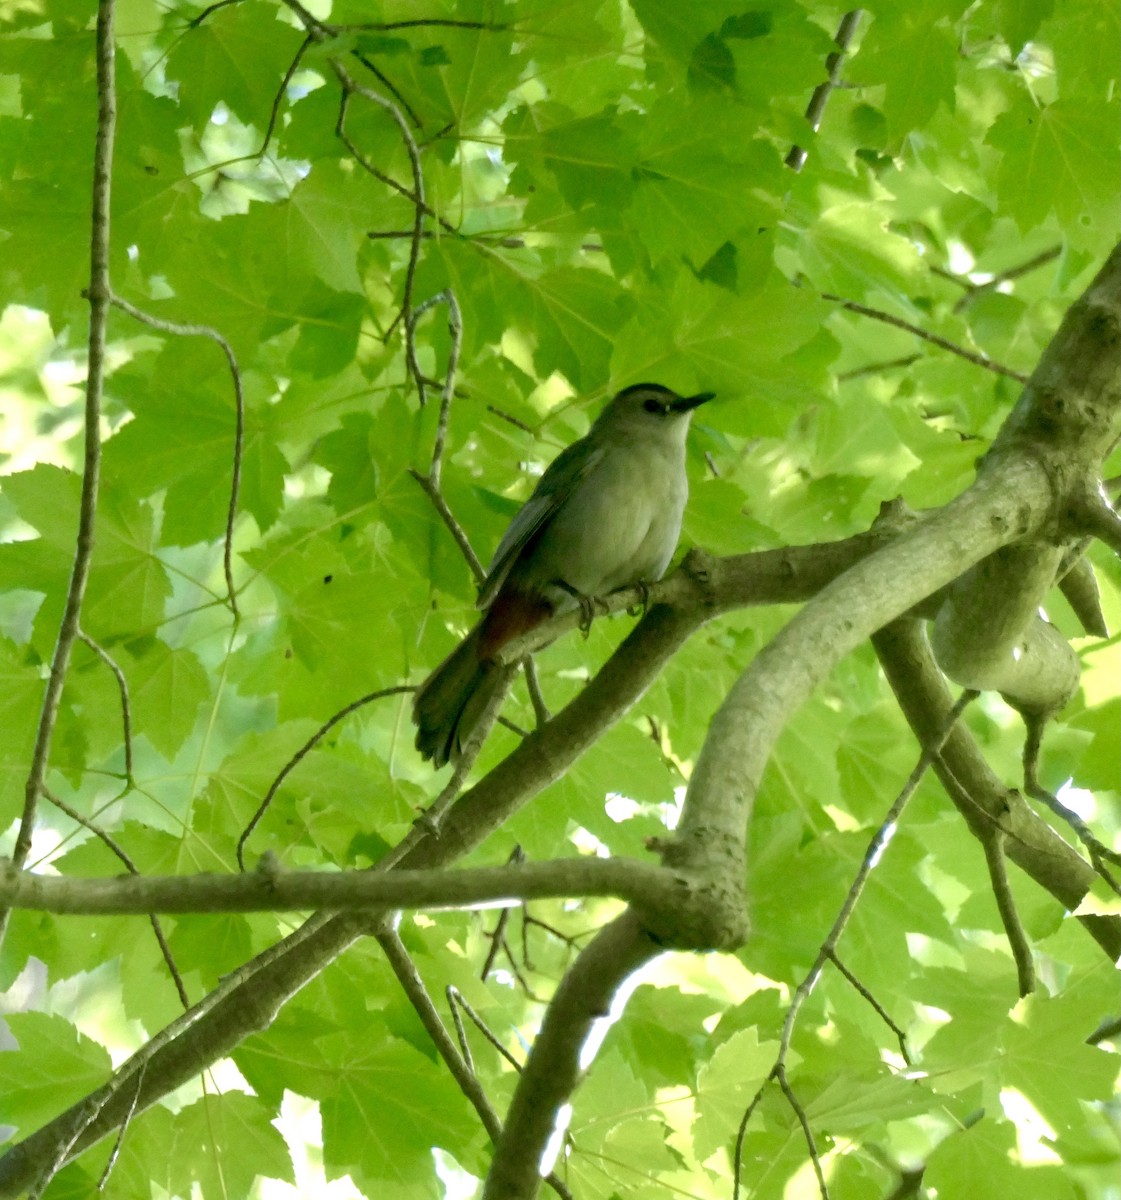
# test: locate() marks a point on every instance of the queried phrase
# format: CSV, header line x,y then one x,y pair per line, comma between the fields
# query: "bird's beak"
x,y
688,403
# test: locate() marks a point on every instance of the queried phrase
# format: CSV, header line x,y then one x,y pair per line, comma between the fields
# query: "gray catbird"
x,y
606,514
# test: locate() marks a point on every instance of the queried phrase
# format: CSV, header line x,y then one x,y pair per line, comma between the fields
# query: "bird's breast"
x,y
620,525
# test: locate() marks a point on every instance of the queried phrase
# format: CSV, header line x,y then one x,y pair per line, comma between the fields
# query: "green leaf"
x,y
1019,20
725,1086
915,58
987,1151
1056,157
166,687
691,199
236,57
1058,1086
53,1066
390,1108
230,1119
593,159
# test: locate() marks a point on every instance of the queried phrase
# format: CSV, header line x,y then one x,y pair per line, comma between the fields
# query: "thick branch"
x,y
1004,504
680,605
978,794
272,890
583,999
987,635
247,1003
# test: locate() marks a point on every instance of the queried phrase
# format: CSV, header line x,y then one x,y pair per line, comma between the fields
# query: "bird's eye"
x,y
654,406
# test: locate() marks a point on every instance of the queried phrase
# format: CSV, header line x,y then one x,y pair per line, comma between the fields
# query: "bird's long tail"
x,y
452,700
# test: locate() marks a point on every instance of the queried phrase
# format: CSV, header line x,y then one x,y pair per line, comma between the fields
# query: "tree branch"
x,y
976,792
796,158
876,314
269,889
99,296
248,999
122,688
987,634
187,329
301,754
828,948
587,995
993,845
1004,503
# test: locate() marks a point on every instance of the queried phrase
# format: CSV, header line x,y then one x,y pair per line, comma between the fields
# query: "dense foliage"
x,y
605,195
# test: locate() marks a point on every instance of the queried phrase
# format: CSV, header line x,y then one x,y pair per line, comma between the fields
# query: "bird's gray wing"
x,y
561,477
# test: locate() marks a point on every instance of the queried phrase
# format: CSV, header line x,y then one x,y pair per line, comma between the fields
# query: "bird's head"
x,y
646,407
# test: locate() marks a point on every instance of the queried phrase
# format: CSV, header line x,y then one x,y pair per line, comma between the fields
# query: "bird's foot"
x,y
643,605
587,605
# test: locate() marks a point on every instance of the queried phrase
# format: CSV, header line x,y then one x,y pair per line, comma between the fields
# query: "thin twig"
x,y
389,86
450,994
993,845
796,158
512,726
536,698
122,687
872,855
881,1012
875,848
302,753
350,86
426,22
461,1070
99,297
189,329
876,314
505,416
519,974
81,1119
497,935
455,332
457,1062
116,1151
317,28
973,290
1098,851
455,997
119,852
891,364
454,527
508,242
274,113
207,12
807,1132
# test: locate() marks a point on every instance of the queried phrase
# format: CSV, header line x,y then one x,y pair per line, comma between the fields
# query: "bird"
x,y
606,514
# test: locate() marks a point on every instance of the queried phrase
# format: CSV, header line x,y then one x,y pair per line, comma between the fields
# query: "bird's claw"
x,y
587,613
643,605
587,605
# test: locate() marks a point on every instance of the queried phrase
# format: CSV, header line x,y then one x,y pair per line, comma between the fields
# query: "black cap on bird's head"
x,y
652,398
